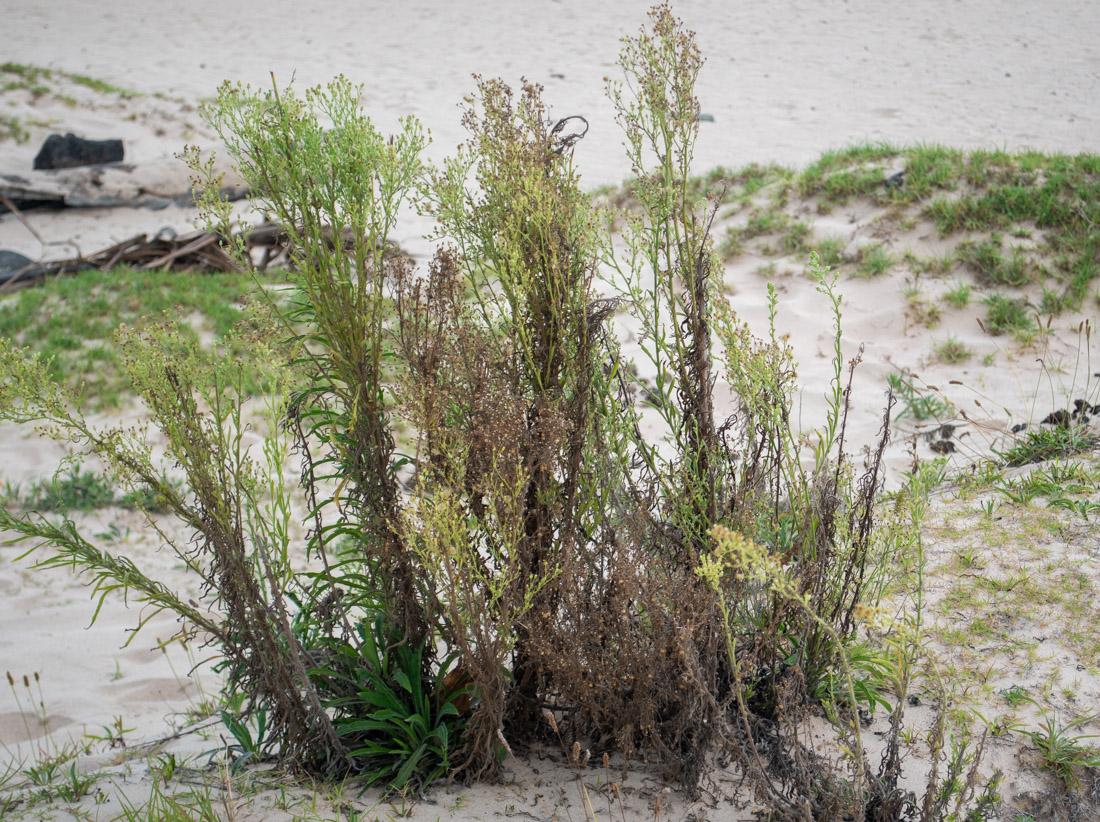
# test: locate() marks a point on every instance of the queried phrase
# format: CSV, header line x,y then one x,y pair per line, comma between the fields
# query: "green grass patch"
x,y
994,266
831,251
1056,196
11,128
958,296
1047,444
101,86
1008,315
736,185
71,320
952,351
874,260
28,77
80,490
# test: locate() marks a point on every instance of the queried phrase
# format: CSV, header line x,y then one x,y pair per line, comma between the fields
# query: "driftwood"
x,y
198,251
152,185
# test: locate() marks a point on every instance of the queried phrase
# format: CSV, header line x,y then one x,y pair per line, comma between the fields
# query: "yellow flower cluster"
x,y
749,561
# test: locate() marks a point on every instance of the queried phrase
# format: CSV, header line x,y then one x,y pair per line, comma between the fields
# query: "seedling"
x,y
874,261
959,296
952,351
1062,751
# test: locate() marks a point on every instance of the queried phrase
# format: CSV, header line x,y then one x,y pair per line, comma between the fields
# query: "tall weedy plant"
x,y
545,555
669,275
239,547
527,244
319,166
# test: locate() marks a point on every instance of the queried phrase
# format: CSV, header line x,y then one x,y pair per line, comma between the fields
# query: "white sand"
x,y
783,81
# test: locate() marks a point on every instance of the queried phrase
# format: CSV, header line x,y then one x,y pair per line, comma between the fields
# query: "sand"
x,y
783,82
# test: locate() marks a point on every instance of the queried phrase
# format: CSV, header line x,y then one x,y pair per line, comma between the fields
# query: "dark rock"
x,y
1060,417
895,180
1021,426
10,261
943,432
1082,408
943,447
71,151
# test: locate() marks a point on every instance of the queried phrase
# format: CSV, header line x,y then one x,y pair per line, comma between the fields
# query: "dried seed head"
x,y
576,751
11,681
548,715
606,761
26,682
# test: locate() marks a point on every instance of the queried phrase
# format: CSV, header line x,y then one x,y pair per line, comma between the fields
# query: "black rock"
x,y
895,180
944,432
10,261
1061,417
943,447
71,151
1022,426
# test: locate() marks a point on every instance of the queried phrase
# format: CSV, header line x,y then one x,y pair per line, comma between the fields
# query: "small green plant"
x,y
113,735
56,776
77,490
1010,315
992,266
195,805
918,406
874,260
921,309
402,733
250,733
1045,444
937,265
11,128
796,239
1016,696
1082,507
831,251
958,296
732,246
1062,751
165,766
952,351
